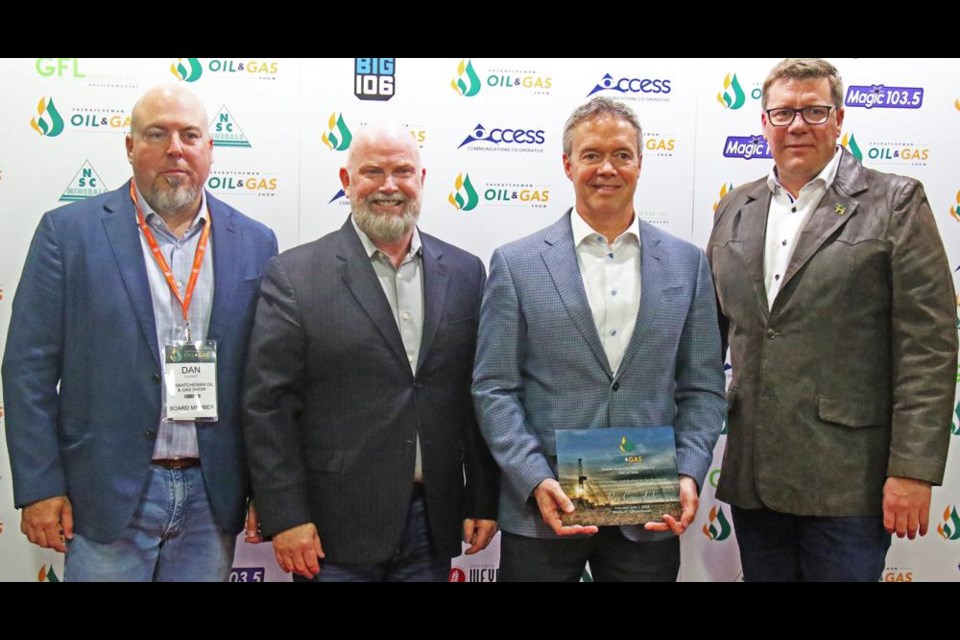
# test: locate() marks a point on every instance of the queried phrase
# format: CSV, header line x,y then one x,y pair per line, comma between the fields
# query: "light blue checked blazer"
x,y
540,365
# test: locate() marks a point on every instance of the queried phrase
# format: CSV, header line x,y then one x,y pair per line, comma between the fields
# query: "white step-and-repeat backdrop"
x,y
490,134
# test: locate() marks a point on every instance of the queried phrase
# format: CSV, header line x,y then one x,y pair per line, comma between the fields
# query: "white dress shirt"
x,y
611,278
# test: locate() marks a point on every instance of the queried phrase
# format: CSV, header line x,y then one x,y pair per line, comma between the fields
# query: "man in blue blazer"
x,y
101,469
600,320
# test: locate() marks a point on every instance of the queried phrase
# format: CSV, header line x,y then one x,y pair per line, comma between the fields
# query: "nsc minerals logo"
x,y
747,147
733,96
374,78
226,132
949,529
85,183
192,69
717,527
878,96
505,139
464,196
187,69
635,89
48,122
724,190
337,136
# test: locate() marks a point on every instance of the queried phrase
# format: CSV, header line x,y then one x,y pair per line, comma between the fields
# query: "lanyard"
x,y
162,262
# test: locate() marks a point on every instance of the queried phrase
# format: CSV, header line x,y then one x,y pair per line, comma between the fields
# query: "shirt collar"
x,y
826,175
371,249
153,218
582,230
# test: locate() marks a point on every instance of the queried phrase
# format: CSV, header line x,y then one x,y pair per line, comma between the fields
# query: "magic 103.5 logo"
x,y
192,69
468,82
878,96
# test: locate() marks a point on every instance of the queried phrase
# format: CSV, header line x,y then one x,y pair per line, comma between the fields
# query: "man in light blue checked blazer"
x,y
600,320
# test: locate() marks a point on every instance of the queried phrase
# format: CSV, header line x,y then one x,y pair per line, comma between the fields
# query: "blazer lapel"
x,y
123,234
361,280
836,207
435,282
752,235
651,291
226,274
560,259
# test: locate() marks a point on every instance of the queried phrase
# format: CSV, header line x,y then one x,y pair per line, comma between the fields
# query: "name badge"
x,y
190,377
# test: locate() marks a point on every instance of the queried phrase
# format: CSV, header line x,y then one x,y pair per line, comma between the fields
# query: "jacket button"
x,y
150,435
616,385
156,377
771,334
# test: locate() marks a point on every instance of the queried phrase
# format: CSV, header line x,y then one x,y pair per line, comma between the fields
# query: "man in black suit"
x,y
364,451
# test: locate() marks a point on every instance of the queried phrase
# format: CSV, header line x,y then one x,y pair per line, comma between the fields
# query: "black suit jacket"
x,y
332,409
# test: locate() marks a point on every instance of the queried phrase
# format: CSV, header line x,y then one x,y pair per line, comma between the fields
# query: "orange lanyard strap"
x,y
162,262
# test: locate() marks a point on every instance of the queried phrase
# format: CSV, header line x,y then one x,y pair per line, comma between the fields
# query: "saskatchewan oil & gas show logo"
x,y
504,139
885,152
466,195
747,147
878,96
955,423
724,190
949,528
49,121
733,96
47,574
374,78
226,132
192,69
659,145
717,527
897,574
338,136
249,183
512,80
955,214
85,183
635,88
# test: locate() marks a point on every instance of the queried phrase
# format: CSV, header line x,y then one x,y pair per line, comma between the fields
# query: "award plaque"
x,y
619,476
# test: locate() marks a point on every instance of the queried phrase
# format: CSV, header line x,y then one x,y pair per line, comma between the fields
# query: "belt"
x,y
177,463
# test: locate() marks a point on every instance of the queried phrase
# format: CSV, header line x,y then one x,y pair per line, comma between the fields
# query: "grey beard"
x,y
386,228
174,199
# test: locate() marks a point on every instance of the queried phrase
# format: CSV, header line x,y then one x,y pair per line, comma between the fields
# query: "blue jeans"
x,y
414,560
172,537
780,547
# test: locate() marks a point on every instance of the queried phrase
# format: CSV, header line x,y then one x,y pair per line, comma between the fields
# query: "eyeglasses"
x,y
784,116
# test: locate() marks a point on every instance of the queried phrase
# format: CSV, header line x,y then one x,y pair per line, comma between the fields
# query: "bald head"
x,y
383,179
170,149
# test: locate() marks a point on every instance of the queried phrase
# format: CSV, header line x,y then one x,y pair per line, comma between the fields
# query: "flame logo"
x,y
48,121
724,190
338,136
188,71
955,424
464,197
718,528
949,529
725,99
47,574
955,211
625,445
849,142
469,87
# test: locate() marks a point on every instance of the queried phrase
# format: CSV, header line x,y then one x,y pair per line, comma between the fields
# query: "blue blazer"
x,y
540,365
82,371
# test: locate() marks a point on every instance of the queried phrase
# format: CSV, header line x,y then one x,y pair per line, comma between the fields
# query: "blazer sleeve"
x,y
701,401
924,337
273,381
498,383
482,473
32,366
